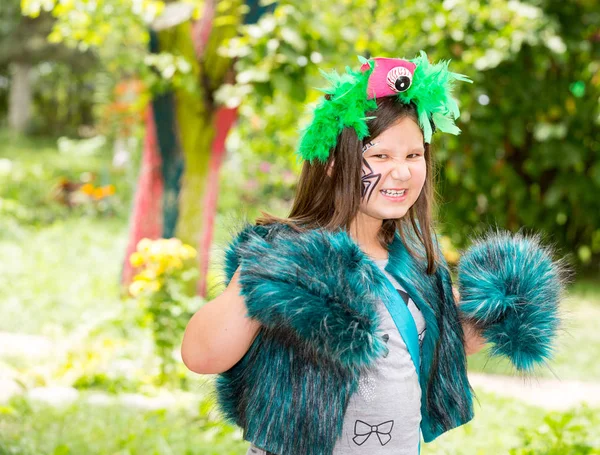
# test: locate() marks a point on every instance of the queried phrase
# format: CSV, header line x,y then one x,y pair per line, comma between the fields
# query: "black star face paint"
x,y
369,179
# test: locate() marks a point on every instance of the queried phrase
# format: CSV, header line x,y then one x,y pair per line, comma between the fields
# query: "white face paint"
x,y
394,171
368,146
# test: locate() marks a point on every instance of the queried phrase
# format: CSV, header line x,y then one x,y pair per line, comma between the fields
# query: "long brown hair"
x,y
332,202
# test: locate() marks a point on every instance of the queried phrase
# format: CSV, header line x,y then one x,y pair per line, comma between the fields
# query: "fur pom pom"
x,y
511,288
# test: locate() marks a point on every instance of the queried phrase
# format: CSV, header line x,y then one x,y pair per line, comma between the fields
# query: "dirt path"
x,y
550,394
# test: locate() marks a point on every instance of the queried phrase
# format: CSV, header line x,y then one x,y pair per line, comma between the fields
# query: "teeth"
x,y
393,193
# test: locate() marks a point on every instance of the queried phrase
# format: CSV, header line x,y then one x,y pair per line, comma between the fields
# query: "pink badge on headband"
x,y
390,77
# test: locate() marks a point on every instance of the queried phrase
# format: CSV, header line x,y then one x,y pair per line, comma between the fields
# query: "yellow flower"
x,y
156,250
146,275
176,263
98,193
187,252
160,266
88,189
136,288
143,245
109,190
136,259
154,286
172,245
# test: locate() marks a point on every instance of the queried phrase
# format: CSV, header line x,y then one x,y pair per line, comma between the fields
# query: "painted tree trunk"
x,y
191,134
146,219
225,118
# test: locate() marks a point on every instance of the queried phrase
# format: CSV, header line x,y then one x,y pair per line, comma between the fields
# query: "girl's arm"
x,y
219,333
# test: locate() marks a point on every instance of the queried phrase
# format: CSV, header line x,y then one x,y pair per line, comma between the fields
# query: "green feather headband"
x,y
353,94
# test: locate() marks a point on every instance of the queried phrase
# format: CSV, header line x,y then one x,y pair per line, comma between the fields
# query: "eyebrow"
x,y
416,149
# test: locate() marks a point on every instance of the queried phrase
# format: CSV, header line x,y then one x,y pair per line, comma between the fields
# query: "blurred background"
x,y
136,136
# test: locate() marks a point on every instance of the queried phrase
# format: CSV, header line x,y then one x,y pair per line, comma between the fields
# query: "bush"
x,y
576,432
162,292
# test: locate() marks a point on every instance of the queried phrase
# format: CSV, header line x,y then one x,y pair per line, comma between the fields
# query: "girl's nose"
x,y
401,171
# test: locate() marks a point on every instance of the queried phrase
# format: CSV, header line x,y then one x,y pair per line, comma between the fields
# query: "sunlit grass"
x,y
29,427
60,276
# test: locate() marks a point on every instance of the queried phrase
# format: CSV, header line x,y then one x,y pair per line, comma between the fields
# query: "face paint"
x,y
368,146
369,179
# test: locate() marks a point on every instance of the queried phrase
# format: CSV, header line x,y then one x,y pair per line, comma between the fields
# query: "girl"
x,y
338,332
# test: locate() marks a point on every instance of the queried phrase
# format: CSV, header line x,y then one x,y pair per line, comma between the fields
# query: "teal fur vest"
x,y
315,295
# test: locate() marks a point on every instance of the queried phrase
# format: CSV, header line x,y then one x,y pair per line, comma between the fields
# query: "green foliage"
x,y
161,290
62,79
9,17
39,185
530,121
111,26
493,430
117,32
575,432
259,184
528,153
29,427
65,95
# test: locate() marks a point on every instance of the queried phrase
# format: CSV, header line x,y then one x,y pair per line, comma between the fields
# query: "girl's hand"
x,y
474,341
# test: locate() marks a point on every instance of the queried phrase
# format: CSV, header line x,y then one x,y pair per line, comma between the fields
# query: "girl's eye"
x,y
416,155
380,156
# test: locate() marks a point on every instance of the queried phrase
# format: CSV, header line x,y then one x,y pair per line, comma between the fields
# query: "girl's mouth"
x,y
394,195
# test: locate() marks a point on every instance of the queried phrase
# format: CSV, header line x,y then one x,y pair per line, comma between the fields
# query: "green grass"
x,y
31,428
60,267
28,427
62,276
494,429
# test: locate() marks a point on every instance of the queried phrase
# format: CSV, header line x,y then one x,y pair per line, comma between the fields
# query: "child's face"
x,y
394,160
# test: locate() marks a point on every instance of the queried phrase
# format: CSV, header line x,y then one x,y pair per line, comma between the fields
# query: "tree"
x,y
186,129
25,46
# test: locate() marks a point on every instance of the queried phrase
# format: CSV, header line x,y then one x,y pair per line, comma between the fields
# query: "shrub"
x,y
576,432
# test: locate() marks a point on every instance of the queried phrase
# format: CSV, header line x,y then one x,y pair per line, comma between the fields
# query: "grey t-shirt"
x,y
383,417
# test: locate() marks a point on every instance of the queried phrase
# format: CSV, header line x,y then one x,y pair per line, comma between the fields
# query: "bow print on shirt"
x,y
362,431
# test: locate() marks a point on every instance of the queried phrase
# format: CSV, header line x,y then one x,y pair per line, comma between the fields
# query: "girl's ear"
x,y
330,168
